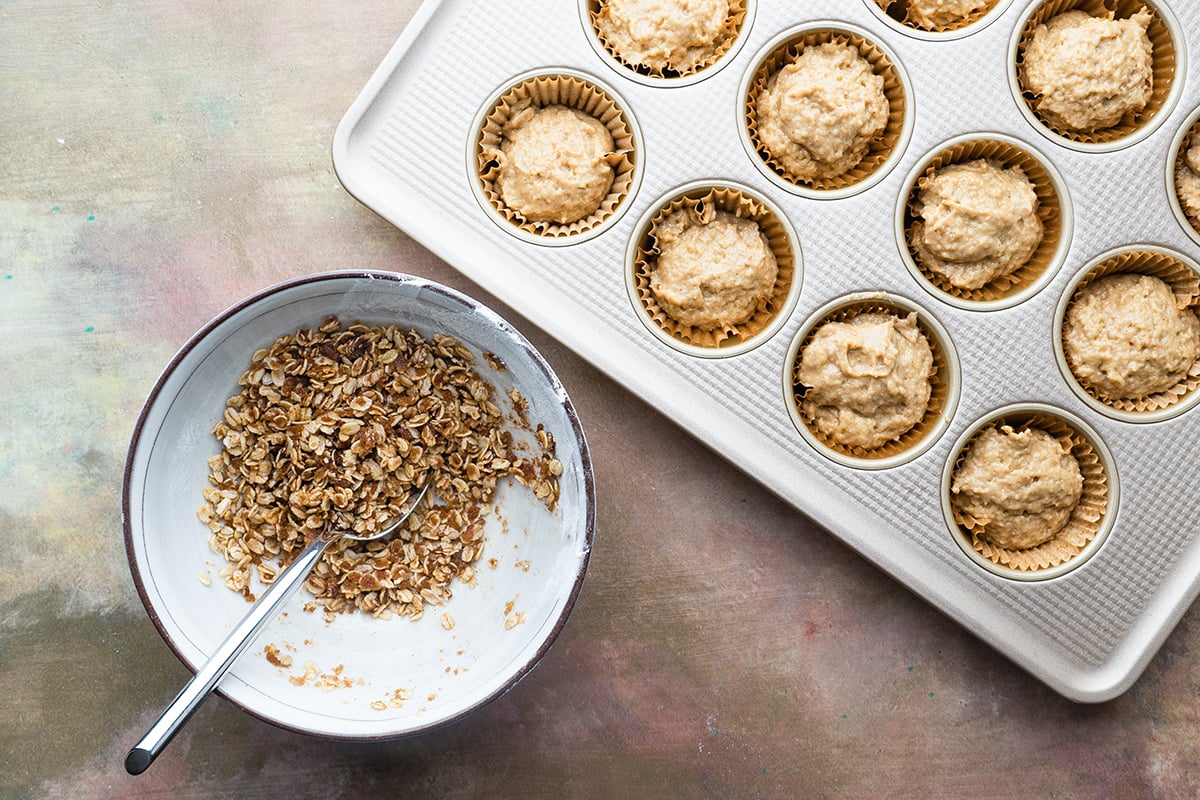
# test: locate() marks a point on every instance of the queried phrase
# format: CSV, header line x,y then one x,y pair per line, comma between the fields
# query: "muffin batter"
x,y
1020,486
555,164
1187,184
941,14
676,35
713,268
1089,72
818,115
1126,336
867,379
977,221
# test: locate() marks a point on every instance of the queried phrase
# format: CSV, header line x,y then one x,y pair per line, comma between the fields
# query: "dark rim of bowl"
x,y
468,303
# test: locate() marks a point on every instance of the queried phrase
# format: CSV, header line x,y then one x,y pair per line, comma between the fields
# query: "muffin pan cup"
x,y
403,149
944,379
884,151
741,15
1184,138
546,88
1168,66
1054,211
1179,272
772,312
1090,521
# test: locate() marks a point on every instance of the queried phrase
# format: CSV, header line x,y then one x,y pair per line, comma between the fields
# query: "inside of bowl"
x,y
356,676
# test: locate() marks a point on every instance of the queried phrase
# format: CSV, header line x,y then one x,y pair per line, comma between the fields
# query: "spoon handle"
x,y
182,707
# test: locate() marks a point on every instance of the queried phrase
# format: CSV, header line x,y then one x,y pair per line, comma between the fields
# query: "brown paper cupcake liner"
x,y
1184,283
1049,212
898,10
721,45
940,381
546,90
1163,61
1086,519
1184,144
893,89
741,205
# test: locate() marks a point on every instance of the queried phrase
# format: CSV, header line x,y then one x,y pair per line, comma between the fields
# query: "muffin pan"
x,y
408,149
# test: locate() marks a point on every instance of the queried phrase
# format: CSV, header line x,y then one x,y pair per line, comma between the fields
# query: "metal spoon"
x,y
265,609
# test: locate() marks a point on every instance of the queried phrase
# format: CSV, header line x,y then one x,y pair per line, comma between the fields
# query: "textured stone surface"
x,y
162,160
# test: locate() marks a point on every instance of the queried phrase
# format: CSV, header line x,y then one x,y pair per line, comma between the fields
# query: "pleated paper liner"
x,y
1164,63
1088,518
741,204
893,87
1185,142
549,89
1185,284
1050,211
899,11
721,46
943,382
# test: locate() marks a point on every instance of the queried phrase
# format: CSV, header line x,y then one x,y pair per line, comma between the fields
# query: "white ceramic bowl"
x,y
439,675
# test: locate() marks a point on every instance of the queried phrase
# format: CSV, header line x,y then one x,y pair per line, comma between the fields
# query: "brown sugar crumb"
x,y
523,565
336,429
274,656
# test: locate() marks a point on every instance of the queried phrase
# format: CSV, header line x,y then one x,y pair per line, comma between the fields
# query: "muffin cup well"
x,y
1184,139
741,14
573,90
944,381
884,151
897,11
1090,521
1179,272
771,313
1165,37
1054,211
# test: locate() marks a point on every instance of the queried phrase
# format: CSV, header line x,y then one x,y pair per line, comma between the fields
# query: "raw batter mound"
x,y
868,379
664,35
1089,72
977,222
1019,486
818,115
1126,336
713,268
555,164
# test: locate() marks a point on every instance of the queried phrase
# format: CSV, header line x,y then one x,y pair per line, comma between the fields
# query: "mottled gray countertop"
x,y
159,162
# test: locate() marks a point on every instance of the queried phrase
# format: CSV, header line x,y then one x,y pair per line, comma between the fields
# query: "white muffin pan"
x,y
405,147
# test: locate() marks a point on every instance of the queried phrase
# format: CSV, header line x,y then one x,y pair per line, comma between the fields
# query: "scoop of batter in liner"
x,y
866,380
1127,337
1019,487
556,163
676,35
1088,72
818,116
977,221
713,269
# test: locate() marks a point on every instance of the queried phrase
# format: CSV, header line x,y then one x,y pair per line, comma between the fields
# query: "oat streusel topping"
x,y
336,429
